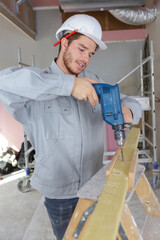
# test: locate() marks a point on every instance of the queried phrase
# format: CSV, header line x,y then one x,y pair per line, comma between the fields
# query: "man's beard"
x,y
68,59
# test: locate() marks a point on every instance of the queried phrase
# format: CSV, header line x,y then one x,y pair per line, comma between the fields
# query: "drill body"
x,y
109,97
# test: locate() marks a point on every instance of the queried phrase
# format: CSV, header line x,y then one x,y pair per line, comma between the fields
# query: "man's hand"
x,y
127,114
83,90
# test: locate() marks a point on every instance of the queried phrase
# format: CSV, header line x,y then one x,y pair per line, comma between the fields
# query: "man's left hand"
x,y
127,114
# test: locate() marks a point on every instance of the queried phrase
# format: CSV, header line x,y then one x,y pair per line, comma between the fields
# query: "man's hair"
x,y
71,38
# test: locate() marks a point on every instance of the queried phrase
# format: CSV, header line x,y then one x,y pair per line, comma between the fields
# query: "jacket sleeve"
x,y
18,86
133,105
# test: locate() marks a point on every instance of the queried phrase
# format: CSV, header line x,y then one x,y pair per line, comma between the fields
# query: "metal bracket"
x,y
83,220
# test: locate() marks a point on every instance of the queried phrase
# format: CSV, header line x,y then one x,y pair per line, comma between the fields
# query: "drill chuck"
x,y
119,137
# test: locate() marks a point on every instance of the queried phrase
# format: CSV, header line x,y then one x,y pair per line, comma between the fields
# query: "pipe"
x,y
138,16
19,2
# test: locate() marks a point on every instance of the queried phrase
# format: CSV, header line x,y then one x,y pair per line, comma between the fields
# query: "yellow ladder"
x,y
101,220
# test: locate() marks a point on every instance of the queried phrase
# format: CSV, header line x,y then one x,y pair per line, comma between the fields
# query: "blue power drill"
x,y
109,97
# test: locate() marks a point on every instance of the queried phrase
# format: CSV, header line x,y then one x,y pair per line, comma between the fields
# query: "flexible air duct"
x,y
138,16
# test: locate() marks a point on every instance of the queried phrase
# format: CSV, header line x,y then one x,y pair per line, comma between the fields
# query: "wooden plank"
x,y
129,225
147,197
132,170
113,196
112,163
108,209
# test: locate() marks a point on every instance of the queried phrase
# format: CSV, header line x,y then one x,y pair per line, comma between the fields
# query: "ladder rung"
x,y
143,151
147,140
144,160
148,125
23,64
147,75
147,92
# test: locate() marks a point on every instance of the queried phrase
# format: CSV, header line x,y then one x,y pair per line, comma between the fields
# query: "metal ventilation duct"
x,y
136,17
98,5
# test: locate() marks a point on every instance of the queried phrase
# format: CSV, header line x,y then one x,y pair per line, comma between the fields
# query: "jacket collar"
x,y
55,69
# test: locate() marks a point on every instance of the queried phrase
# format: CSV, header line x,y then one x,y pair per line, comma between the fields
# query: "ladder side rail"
x,y
26,149
153,103
142,90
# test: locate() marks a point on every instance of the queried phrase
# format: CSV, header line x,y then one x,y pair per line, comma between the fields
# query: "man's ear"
x,y
64,44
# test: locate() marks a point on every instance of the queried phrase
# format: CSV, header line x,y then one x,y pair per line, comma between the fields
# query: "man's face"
x,y
78,54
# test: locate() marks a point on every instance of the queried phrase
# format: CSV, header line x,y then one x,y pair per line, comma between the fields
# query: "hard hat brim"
x,y
101,45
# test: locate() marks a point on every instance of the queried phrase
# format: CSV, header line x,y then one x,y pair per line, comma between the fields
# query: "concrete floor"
x,y
23,215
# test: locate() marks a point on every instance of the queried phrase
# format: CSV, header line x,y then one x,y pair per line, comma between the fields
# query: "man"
x,y
59,110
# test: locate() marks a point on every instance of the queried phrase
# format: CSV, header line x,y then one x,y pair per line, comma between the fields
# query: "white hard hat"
x,y
84,24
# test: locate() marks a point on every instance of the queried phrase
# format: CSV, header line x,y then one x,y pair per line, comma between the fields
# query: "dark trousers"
x,y
60,212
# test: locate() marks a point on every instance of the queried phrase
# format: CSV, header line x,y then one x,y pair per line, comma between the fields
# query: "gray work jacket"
x,y
66,134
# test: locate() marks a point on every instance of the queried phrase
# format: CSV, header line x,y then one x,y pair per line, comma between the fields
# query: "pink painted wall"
x,y
120,35
10,129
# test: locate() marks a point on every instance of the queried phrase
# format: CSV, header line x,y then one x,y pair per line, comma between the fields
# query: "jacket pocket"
x,y
58,168
60,116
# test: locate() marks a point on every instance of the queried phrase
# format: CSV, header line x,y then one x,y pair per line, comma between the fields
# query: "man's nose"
x,y
86,57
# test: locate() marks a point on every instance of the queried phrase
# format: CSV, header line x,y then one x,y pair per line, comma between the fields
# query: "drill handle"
x,y
110,103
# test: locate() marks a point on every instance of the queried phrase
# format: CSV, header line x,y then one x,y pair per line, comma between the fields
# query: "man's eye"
x,y
81,49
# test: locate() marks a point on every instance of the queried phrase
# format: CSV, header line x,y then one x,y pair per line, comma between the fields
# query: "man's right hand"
x,y
83,90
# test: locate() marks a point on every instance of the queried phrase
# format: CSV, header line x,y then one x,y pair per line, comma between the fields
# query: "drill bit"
x,y
122,153
119,136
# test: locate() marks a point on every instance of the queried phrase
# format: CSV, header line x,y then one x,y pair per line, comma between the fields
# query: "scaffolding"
x,y
148,121
147,142
24,183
